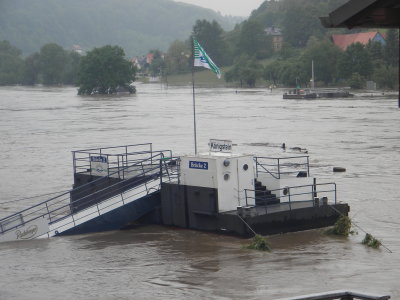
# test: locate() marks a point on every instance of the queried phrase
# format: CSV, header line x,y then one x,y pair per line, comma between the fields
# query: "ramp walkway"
x,y
123,188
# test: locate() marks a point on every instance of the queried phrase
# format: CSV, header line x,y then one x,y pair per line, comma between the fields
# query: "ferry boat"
x,y
299,93
217,191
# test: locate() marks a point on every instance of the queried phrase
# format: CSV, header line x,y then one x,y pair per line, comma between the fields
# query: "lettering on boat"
x,y
28,233
220,146
202,165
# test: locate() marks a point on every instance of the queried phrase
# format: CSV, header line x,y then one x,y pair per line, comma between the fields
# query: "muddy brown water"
x,y
39,127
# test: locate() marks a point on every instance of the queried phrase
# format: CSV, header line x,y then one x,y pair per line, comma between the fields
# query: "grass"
x,y
259,243
370,241
342,227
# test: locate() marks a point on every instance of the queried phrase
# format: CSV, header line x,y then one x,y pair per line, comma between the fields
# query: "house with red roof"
x,y
345,40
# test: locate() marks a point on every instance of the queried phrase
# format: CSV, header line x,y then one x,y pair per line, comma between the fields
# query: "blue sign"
x,y
102,159
202,165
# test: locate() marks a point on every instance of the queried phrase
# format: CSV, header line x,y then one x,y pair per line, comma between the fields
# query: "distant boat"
x,y
299,93
313,93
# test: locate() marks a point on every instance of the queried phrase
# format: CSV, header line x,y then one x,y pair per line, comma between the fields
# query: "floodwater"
x,y
39,127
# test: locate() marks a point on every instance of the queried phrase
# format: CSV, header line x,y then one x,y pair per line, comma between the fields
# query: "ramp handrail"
x,y
117,157
278,166
342,295
312,193
60,206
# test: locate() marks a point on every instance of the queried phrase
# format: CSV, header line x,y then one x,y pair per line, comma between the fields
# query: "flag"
x,y
201,59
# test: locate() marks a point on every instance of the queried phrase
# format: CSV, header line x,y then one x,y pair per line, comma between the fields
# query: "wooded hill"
x,y
135,25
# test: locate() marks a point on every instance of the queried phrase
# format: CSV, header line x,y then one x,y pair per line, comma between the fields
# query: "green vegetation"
x,y
51,66
135,25
105,69
259,243
249,56
370,241
304,41
342,227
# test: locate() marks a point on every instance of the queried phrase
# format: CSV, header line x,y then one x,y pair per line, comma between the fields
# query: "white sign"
x,y
99,165
29,231
220,146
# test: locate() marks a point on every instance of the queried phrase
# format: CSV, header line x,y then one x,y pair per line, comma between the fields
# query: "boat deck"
x,y
274,208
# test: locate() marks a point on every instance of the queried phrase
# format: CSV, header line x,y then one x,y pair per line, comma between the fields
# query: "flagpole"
x,y
194,105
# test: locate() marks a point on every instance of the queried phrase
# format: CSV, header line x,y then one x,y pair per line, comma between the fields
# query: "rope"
x,y
247,225
359,227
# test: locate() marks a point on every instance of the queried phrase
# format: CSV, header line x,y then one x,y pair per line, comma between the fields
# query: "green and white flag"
x,y
201,59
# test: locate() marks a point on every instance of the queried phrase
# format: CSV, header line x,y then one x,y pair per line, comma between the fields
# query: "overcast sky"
x,y
228,7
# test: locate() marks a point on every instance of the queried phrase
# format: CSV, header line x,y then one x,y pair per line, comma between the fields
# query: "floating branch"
x,y
370,241
259,243
342,227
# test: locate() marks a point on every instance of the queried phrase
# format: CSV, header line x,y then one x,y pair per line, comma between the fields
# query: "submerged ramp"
x,y
102,203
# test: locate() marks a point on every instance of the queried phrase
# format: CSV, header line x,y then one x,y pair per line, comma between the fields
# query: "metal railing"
x,y
341,295
315,193
118,157
276,167
156,166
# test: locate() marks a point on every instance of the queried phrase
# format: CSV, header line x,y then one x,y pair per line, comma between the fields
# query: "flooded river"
x,y
39,127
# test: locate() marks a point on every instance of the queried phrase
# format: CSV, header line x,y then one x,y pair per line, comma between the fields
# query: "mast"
x,y
312,75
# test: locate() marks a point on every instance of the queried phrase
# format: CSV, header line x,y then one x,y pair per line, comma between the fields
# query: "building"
x,y
365,14
276,35
345,40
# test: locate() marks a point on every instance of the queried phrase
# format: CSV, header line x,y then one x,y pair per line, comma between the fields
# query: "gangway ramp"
x,y
95,206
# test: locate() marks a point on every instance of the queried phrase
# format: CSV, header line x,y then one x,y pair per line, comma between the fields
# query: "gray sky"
x,y
228,7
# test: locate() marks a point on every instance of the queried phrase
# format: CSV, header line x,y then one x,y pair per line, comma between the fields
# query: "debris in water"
x,y
370,241
259,243
339,169
342,227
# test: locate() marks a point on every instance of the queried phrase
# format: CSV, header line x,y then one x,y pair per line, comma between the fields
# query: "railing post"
x,y
161,173
290,202
256,167
73,162
108,168
151,153
279,169
315,188
119,175
126,154
335,193
308,166
48,212
90,167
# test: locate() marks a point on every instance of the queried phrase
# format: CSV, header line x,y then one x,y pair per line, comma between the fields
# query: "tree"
x,y
356,81
71,68
246,70
52,63
293,73
103,69
300,22
355,59
158,64
30,74
325,56
254,41
210,36
391,50
386,76
11,64
177,58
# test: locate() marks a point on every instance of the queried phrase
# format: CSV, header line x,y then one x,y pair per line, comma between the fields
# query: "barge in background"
x,y
299,93
218,191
